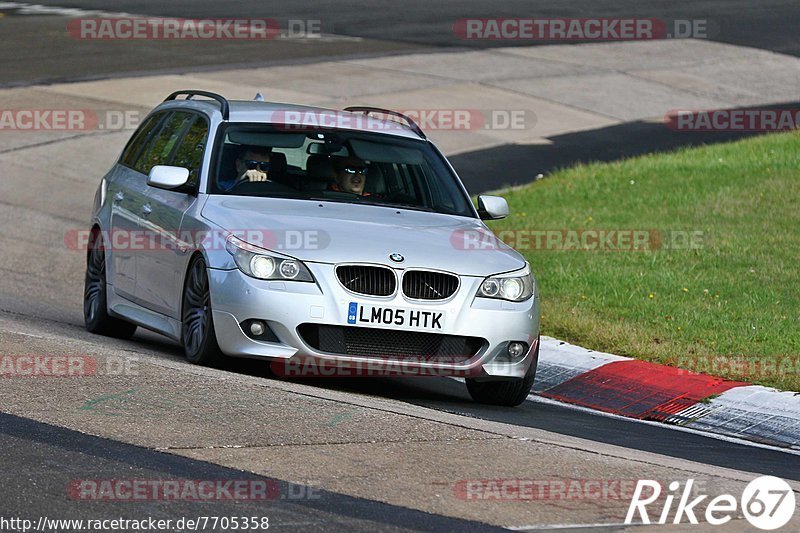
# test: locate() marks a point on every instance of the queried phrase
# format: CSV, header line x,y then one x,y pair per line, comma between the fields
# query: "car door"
x,y
160,270
126,189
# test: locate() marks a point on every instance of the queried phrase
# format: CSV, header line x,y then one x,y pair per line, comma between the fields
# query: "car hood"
x,y
334,232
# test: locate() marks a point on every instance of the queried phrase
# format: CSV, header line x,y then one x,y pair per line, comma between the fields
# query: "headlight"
x,y
261,264
511,288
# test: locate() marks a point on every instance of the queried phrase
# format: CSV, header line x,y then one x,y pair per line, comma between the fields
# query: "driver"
x,y
350,175
252,164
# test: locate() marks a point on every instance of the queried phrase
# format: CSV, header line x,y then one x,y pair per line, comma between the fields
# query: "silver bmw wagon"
x,y
326,242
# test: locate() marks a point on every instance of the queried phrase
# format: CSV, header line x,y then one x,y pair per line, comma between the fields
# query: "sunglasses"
x,y
252,164
356,170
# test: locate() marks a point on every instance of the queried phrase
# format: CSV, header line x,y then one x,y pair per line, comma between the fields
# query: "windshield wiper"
x,y
413,207
361,200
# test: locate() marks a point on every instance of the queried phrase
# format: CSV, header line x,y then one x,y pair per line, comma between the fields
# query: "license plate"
x,y
397,317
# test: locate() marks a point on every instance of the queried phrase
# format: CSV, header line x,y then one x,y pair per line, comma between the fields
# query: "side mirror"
x,y
492,207
166,177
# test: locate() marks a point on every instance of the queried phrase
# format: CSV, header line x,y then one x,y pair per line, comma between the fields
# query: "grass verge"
x,y
716,288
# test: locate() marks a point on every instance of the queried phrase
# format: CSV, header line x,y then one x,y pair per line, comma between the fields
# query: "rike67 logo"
x,y
767,502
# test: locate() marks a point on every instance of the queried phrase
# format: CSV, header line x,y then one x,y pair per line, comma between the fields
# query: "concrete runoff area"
x,y
342,443
70,471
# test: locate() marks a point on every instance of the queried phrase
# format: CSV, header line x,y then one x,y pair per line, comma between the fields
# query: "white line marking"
x,y
540,527
25,334
38,9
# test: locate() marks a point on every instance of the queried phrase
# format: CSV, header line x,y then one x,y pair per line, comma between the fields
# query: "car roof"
x,y
253,111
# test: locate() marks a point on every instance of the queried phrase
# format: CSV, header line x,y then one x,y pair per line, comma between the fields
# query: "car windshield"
x,y
339,166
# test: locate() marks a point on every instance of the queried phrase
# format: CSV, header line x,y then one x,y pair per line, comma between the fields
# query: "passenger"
x,y
350,175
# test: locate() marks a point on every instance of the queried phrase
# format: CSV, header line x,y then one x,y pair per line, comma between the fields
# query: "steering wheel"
x,y
245,179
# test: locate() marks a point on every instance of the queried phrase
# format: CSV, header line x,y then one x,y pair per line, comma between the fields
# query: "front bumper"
x,y
284,306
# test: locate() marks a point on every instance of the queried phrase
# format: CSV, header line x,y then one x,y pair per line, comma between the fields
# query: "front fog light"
x,y
516,349
257,328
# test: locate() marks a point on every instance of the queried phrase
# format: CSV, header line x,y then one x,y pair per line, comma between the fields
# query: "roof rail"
x,y
367,110
223,103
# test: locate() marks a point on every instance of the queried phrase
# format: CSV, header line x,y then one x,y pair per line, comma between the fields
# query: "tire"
x,y
506,392
95,302
197,328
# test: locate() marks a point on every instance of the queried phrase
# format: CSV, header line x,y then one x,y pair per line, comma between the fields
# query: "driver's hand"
x,y
254,175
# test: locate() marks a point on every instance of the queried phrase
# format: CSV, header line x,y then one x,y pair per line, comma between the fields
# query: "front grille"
x,y
367,279
389,343
425,285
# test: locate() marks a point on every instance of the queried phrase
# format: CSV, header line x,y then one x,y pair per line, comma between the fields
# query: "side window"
x,y
190,150
160,147
140,139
